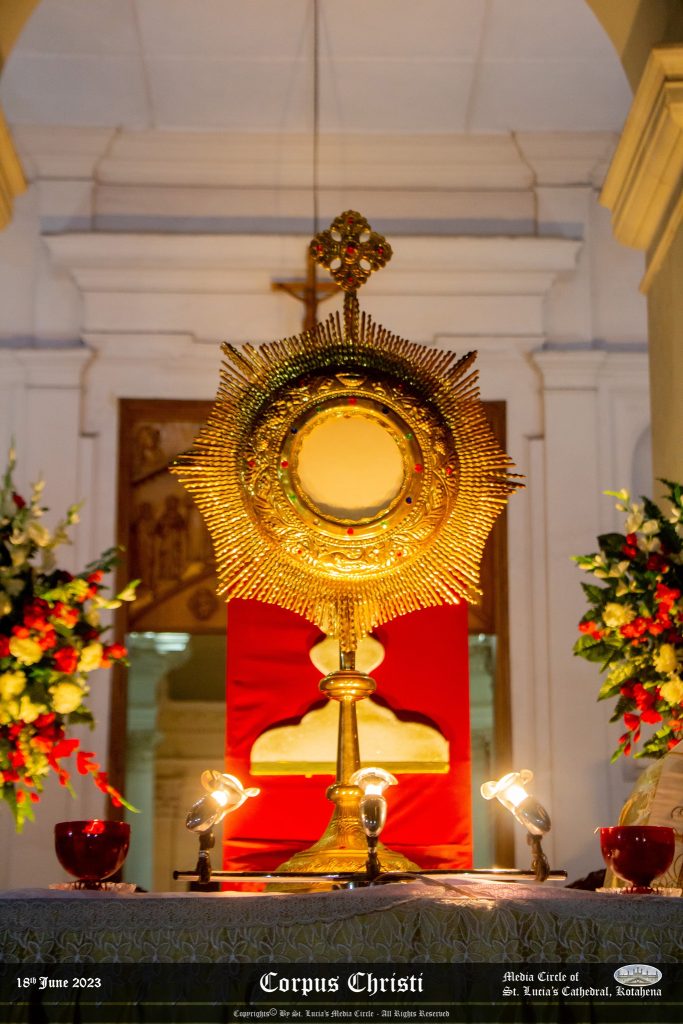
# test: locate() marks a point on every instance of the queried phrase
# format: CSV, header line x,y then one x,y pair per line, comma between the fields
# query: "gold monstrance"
x,y
350,476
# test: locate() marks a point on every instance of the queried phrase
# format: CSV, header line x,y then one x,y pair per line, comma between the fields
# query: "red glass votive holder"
x,y
638,853
91,851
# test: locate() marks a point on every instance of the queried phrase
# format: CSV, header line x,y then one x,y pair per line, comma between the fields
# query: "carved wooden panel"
x,y
167,544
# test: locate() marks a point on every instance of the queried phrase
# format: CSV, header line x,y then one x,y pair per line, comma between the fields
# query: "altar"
x,y
453,922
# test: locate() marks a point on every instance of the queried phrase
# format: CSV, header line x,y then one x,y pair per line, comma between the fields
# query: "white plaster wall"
x,y
144,313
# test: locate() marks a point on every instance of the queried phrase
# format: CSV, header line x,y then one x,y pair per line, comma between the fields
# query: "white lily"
x,y
39,534
634,519
19,555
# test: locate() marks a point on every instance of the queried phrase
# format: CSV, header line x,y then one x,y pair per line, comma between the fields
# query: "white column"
x,y
576,730
43,412
152,656
12,407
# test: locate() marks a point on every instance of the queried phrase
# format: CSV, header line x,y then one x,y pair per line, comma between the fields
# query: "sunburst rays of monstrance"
x,y
351,477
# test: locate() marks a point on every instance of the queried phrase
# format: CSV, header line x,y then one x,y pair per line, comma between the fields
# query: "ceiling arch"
x,y
443,66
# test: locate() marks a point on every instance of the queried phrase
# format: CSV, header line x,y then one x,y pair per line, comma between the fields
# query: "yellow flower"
x,y
665,659
615,615
92,617
9,712
25,650
91,657
29,711
66,697
673,690
5,604
11,684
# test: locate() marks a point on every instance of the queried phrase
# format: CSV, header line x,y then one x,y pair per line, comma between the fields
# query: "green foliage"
x,y
634,626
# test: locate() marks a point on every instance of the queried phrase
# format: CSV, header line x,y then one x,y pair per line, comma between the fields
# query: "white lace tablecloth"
x,y
394,923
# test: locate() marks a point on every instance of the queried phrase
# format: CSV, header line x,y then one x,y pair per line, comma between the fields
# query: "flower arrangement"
x,y
50,640
634,625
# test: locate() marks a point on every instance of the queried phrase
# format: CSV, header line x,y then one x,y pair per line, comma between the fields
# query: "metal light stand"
x,y
354,879
539,861
207,841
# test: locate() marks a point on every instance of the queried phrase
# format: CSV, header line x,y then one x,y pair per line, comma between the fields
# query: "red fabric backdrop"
x,y
271,681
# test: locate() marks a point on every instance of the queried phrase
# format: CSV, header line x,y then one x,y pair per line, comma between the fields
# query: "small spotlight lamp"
x,y
511,792
224,794
373,809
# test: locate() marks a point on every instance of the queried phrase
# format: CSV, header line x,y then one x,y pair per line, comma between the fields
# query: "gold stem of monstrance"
x,y
343,845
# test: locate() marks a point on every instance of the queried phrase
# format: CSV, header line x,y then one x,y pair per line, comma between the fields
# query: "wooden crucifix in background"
x,y
310,291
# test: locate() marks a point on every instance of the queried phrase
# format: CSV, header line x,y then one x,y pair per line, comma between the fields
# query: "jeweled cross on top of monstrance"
x,y
347,474
350,250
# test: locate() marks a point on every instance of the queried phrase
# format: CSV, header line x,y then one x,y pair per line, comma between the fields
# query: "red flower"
x,y
662,615
64,748
20,631
625,742
66,659
95,577
48,640
43,721
656,563
629,550
651,716
17,759
84,762
631,721
666,596
35,612
591,628
635,628
645,699
115,651
67,616
18,500
4,646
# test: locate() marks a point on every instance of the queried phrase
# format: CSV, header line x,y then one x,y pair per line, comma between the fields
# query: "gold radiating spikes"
x,y
347,577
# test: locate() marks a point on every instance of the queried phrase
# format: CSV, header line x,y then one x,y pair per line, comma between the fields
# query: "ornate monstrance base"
x,y
344,846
